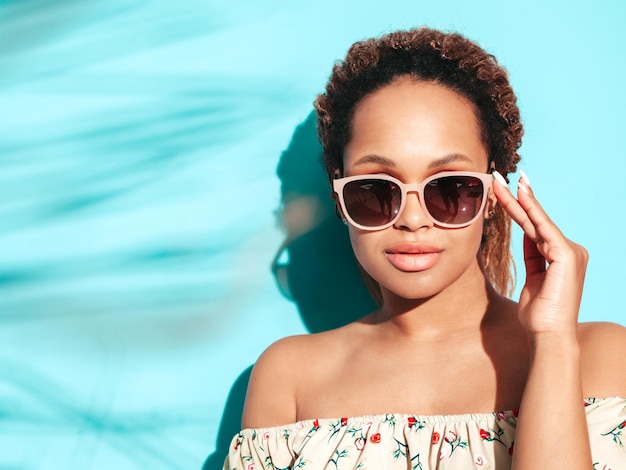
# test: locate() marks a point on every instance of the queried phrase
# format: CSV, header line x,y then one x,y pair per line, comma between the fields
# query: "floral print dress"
x,y
400,441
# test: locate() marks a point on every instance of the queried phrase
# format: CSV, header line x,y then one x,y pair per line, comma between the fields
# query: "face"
x,y
412,130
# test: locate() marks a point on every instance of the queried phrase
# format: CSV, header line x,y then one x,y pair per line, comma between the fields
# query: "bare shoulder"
x,y
270,400
603,358
282,370
602,338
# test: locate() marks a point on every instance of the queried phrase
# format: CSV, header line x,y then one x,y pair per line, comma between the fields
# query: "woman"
x,y
419,129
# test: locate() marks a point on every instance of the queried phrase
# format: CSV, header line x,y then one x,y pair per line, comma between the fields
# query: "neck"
x,y
461,308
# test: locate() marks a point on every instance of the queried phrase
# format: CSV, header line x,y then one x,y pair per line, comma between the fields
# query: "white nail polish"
x,y
522,186
524,178
499,178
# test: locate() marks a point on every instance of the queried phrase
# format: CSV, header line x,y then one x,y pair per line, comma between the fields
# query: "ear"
x,y
491,204
338,211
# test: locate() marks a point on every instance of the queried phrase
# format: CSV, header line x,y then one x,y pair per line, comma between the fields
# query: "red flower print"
x,y
480,460
250,467
484,434
515,413
375,438
359,443
450,436
511,448
316,424
344,421
436,437
411,421
623,425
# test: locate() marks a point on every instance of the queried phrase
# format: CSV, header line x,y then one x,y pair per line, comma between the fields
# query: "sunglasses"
x,y
452,199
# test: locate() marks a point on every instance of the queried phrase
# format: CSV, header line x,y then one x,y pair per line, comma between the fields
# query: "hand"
x,y
555,266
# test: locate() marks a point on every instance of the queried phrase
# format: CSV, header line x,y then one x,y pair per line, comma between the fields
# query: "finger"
x,y
534,261
512,206
546,230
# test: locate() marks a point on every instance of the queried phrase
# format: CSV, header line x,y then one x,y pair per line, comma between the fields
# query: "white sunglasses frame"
x,y
339,183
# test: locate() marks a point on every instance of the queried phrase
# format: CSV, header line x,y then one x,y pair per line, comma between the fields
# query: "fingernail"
x,y
522,185
499,178
524,178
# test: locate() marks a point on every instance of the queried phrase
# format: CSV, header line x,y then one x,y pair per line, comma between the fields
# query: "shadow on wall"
x,y
314,267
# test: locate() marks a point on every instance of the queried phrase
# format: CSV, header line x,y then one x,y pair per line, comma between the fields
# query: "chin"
x,y
413,291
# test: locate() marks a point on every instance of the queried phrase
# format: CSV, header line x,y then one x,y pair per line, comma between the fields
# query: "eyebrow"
x,y
452,158
375,159
384,161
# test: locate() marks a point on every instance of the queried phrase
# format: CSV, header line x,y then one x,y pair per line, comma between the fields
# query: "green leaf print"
x,y
269,464
400,449
391,419
339,455
416,465
616,432
455,442
493,435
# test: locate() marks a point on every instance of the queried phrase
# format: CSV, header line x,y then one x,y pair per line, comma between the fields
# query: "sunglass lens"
x,y
372,202
454,199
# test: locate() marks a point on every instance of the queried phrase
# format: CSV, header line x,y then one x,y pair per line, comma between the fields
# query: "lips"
x,y
410,257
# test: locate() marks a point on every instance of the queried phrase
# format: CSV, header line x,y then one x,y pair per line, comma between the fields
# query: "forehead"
x,y
416,123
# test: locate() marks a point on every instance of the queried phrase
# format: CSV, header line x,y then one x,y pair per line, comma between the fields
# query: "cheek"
x,y
473,237
356,242
363,246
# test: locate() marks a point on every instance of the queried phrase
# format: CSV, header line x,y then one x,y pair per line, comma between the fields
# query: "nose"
x,y
413,216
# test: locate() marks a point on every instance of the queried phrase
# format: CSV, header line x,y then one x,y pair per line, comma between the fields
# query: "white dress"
x,y
400,441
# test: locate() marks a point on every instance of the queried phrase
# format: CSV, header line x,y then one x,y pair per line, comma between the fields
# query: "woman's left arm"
x,y
552,424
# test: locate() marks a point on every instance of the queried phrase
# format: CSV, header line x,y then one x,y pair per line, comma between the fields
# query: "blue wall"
x,y
147,151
